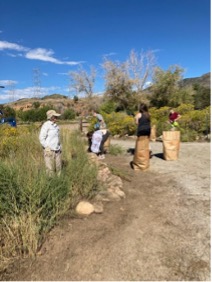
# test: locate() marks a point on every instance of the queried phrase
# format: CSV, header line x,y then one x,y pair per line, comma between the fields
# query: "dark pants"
x,y
89,136
104,138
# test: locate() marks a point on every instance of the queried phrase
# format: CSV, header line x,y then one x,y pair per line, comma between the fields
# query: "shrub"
x,y
10,140
159,118
108,107
120,124
116,150
69,114
197,120
33,115
76,98
192,123
185,108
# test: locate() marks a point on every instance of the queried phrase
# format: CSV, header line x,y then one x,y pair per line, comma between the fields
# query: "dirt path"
x,y
160,231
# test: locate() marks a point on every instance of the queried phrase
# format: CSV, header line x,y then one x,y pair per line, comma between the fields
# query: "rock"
x,y
103,174
114,181
102,197
113,196
120,193
98,207
93,158
84,208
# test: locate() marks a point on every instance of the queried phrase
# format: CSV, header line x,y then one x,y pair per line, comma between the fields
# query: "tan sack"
x,y
153,133
171,145
141,155
107,145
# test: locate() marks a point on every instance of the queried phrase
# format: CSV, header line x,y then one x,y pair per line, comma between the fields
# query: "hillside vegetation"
x,y
119,104
62,102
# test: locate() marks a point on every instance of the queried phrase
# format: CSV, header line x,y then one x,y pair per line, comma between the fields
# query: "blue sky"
x,y
55,37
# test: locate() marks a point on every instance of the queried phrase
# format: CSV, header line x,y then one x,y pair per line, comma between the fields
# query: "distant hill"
x,y
62,102
204,80
54,96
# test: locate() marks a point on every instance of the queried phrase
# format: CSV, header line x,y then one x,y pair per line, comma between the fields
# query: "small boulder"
x,y
84,208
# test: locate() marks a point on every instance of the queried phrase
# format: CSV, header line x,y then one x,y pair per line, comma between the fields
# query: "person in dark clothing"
x,y
142,119
142,152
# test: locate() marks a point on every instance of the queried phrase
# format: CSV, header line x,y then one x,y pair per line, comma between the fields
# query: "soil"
x,y
160,231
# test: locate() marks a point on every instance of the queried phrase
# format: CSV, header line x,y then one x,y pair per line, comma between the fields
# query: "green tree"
x,y
108,107
166,89
202,96
8,112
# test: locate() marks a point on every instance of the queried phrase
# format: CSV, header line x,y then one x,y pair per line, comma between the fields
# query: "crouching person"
x,y
50,140
96,141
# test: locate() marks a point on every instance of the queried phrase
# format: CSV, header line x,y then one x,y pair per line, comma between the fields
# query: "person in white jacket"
x,y
97,140
49,138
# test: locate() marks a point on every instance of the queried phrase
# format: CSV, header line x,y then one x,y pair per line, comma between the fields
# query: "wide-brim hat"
x,y
52,113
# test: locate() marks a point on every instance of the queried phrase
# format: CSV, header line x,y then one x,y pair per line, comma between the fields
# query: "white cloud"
x,y
12,46
47,56
41,54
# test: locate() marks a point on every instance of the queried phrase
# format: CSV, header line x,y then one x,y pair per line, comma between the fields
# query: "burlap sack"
x,y
153,133
141,155
107,145
171,145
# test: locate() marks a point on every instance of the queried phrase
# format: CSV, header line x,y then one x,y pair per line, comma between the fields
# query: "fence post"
x,y
80,124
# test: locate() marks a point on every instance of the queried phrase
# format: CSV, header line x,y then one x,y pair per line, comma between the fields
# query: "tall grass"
x,y
31,202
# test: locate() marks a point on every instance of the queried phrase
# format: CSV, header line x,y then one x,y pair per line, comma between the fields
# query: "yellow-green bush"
x,y
117,123
11,139
193,123
159,118
197,121
120,124
185,108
